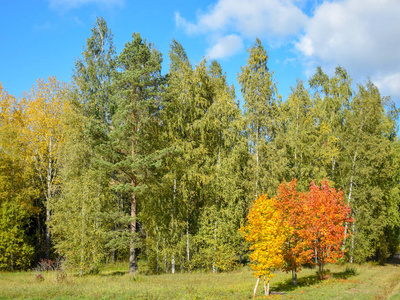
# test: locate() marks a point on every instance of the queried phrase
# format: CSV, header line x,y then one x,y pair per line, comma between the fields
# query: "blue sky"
x,y
44,37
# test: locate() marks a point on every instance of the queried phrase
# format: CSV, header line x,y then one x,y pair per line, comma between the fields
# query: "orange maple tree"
x,y
291,204
326,229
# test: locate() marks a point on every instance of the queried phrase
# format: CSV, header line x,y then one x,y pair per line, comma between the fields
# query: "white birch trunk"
x,y
256,187
82,232
214,267
165,257
48,196
352,241
349,202
266,288
255,288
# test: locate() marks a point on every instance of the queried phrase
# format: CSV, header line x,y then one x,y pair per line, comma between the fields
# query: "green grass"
x,y
113,282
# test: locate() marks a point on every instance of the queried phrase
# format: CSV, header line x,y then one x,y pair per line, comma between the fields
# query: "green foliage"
x,y
127,162
136,122
262,108
79,223
16,252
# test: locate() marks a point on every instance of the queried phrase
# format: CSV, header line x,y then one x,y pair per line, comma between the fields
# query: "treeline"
x,y
124,162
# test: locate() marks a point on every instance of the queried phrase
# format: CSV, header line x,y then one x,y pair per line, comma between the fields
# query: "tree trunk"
x,y
165,257
132,251
255,288
349,201
187,242
316,256
157,250
173,228
240,253
294,277
352,241
214,267
82,231
49,175
266,287
256,187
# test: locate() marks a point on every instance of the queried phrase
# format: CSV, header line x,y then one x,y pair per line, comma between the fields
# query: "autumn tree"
x,y
44,133
328,214
16,189
267,231
296,249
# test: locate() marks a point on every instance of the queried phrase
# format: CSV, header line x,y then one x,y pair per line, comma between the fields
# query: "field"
x,y
366,281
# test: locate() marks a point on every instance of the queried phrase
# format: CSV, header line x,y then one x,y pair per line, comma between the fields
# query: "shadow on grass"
x,y
288,286
394,260
345,274
115,273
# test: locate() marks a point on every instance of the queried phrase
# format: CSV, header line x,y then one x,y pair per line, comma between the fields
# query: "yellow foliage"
x,y
267,232
44,109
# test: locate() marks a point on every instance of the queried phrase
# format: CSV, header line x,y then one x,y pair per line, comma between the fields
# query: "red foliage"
x,y
326,229
291,205
318,220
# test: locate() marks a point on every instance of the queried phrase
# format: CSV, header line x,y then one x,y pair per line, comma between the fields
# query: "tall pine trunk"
x,y
132,251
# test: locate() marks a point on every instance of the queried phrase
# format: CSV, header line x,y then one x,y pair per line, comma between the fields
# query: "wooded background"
x,y
124,162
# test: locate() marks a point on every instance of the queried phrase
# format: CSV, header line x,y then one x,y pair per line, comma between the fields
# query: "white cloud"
x,y
238,19
225,47
388,84
69,4
361,35
250,18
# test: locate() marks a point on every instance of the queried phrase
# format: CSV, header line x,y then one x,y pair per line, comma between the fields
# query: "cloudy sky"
x,y
44,37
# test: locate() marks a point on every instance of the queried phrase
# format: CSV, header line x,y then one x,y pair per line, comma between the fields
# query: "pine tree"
x,y
136,87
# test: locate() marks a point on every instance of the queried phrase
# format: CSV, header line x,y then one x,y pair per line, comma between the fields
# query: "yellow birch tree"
x,y
266,230
16,192
44,108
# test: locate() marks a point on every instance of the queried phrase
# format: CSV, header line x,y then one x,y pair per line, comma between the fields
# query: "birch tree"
x,y
371,167
261,108
44,132
16,190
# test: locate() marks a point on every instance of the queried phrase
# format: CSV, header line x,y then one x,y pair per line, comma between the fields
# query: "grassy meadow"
x,y
366,281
